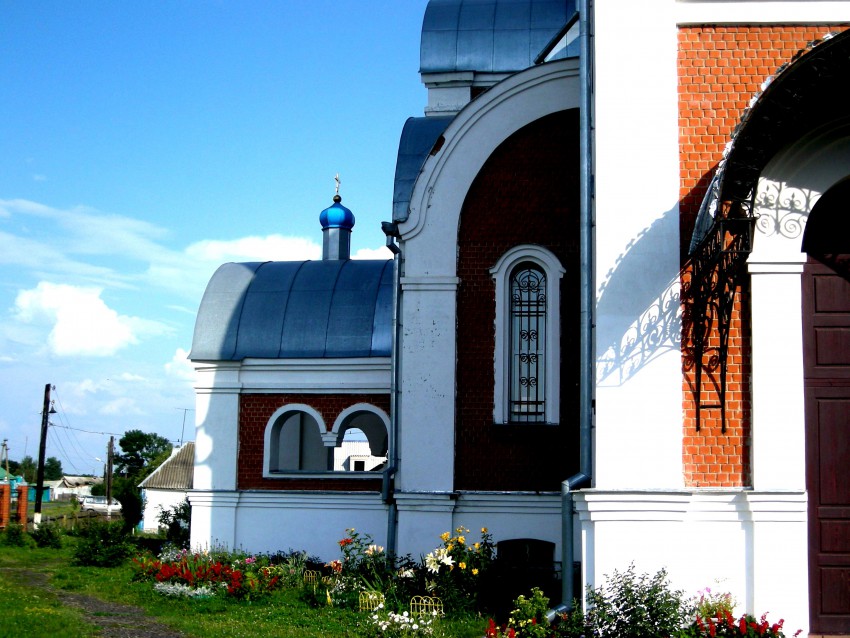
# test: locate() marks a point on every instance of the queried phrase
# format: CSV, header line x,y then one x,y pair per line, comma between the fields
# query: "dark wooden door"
x,y
826,337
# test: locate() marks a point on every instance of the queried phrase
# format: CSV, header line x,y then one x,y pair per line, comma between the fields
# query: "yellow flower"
x,y
445,536
477,546
483,530
449,546
462,565
461,539
475,571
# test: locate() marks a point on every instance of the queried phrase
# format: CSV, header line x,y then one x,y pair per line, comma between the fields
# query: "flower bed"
x,y
451,577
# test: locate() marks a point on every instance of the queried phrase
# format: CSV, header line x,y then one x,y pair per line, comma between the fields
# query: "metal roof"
x,y
418,138
176,473
493,36
296,309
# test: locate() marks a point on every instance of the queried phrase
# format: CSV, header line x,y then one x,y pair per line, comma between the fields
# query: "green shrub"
x,y
48,535
103,545
176,521
16,536
636,606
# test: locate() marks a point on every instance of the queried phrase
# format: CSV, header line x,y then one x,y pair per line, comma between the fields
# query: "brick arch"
x,y
520,196
720,69
255,410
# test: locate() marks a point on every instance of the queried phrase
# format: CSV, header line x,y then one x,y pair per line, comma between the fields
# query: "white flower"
x,y
432,562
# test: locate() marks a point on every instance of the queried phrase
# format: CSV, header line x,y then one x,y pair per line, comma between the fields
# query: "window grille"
x,y
528,344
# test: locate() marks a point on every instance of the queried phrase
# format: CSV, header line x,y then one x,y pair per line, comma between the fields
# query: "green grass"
x,y
32,612
282,615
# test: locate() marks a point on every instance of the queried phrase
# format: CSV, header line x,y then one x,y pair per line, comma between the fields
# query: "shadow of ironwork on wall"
x,y
638,317
782,209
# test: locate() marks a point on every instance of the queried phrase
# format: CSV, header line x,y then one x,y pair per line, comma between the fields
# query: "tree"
x,y
139,450
52,469
28,469
142,454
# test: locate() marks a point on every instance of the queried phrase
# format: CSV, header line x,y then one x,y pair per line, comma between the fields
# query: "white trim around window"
x,y
501,273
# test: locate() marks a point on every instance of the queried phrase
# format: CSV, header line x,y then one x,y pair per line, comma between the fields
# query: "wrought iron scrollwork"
x,y
718,265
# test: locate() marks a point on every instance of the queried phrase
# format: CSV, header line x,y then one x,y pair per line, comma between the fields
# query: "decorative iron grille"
x,y
528,344
718,266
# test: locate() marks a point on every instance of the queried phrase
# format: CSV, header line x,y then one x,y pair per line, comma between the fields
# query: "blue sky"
x,y
143,144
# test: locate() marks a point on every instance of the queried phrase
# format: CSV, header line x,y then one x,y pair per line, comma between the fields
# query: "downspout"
x,y
388,483
586,376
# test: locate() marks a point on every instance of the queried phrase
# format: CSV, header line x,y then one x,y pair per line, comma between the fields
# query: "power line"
x,y
68,427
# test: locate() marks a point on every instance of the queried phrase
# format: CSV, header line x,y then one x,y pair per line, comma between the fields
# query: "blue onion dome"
x,y
337,216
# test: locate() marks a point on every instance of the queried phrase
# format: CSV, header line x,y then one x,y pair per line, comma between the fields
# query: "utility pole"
x,y
183,429
110,451
5,454
46,411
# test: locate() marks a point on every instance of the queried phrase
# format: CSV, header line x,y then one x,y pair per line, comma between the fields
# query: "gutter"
x,y
388,485
586,405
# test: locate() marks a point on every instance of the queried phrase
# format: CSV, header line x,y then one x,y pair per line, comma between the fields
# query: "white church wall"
x,y
788,189
751,544
270,521
638,422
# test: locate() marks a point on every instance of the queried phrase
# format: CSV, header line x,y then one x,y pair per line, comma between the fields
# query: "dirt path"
x,y
113,619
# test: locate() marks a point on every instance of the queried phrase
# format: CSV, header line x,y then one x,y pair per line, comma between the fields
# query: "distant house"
x,y
69,487
168,485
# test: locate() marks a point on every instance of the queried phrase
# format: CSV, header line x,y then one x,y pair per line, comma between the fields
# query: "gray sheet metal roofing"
x,y
417,139
176,473
492,36
296,310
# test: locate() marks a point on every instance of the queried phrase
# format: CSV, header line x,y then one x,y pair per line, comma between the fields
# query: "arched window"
x,y
297,442
294,441
528,338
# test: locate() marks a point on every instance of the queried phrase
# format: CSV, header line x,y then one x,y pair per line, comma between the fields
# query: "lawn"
x,y
30,611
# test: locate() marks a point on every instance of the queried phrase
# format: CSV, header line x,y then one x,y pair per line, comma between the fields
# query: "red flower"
x,y
345,541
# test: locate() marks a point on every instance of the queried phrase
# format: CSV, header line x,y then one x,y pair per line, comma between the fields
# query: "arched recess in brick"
x,y
519,198
429,238
371,421
293,440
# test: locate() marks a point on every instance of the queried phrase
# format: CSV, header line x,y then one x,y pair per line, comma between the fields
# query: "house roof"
x,y
176,473
78,481
296,309
489,36
4,476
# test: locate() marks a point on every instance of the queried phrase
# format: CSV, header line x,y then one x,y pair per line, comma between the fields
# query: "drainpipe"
x,y
583,478
387,487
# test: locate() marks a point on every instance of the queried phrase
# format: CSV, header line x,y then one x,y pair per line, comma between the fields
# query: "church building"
x,y
615,318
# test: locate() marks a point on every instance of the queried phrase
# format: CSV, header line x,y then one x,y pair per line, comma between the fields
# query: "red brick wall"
x,y
5,504
521,196
255,410
720,69
23,502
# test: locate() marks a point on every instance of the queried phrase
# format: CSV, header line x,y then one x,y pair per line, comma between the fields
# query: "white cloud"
x,y
373,253
122,406
82,323
180,366
268,248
